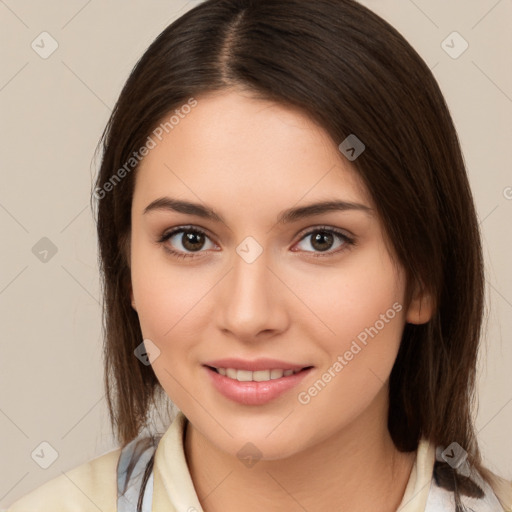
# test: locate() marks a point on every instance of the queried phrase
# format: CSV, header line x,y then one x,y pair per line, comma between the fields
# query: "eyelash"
x,y
349,242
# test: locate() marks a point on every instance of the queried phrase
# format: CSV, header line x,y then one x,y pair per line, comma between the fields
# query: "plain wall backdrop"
x,y
55,102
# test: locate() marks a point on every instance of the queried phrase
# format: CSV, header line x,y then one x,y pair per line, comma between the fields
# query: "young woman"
x,y
291,255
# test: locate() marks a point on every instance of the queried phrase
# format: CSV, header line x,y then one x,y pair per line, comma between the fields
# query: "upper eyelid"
x,y
179,229
338,231
302,233
193,227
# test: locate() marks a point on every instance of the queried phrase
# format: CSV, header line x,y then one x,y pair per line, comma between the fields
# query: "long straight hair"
x,y
353,73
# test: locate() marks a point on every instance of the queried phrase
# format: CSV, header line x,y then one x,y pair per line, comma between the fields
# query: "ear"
x,y
421,307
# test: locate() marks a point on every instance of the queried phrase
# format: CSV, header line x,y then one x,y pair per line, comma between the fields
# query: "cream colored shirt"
x,y
92,487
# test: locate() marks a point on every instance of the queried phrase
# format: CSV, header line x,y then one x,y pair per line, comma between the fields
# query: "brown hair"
x,y
353,73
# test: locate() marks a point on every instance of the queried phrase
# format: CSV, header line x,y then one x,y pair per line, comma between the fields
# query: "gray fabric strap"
x,y
132,463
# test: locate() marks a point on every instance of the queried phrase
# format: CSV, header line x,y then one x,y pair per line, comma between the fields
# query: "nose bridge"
x,y
250,300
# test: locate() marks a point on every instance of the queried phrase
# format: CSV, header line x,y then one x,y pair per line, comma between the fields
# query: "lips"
x,y
254,393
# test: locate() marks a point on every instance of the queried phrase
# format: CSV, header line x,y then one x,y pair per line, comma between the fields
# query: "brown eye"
x,y
192,241
322,240
185,240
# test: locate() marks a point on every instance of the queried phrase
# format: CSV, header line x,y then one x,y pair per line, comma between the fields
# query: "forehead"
x,y
246,150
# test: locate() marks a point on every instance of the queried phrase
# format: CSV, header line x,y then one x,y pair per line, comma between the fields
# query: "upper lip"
x,y
257,364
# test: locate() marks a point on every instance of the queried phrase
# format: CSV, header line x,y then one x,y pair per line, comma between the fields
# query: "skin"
x,y
249,160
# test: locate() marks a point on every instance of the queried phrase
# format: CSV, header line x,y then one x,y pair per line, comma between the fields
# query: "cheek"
x,y
170,299
365,316
362,296
152,286
361,304
169,309
166,301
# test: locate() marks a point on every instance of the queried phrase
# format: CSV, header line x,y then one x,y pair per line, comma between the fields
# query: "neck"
x,y
357,469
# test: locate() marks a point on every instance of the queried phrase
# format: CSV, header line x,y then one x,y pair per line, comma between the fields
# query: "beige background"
x,y
53,112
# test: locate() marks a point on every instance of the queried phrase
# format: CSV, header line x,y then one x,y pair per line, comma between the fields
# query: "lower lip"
x,y
254,393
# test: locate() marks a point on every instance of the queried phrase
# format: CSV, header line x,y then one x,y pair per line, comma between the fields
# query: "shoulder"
x,y
89,487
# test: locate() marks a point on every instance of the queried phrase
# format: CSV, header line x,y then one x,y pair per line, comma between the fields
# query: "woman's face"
x,y
312,289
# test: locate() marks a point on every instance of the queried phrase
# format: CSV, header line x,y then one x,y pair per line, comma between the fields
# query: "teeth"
x,y
257,376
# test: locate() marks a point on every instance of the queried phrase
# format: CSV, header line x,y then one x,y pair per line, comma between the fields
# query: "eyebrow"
x,y
286,216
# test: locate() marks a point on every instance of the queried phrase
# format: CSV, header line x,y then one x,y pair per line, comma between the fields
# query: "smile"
x,y
256,376
256,387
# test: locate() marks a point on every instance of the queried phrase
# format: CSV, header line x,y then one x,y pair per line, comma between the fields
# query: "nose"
x,y
252,300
